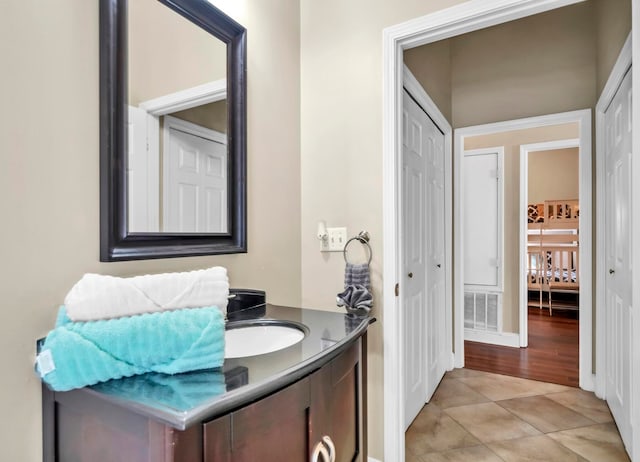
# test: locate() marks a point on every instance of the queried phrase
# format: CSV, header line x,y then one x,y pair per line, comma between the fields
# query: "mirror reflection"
x,y
177,176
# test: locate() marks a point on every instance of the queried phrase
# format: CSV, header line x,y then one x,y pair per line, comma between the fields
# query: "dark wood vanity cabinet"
x,y
288,425
334,411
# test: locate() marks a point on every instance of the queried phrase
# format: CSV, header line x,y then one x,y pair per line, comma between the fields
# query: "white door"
x,y
423,257
617,255
196,184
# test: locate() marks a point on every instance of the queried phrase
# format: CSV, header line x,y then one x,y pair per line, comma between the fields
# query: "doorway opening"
x,y
542,258
458,20
534,253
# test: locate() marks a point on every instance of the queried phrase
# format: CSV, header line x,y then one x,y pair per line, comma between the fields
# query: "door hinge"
x,y
397,289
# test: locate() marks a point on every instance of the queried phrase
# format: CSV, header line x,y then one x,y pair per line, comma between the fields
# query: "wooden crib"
x,y
553,265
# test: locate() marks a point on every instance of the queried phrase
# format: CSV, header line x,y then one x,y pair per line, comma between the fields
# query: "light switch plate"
x,y
337,239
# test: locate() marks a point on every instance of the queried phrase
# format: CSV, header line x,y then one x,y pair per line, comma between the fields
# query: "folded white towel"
x,y
97,296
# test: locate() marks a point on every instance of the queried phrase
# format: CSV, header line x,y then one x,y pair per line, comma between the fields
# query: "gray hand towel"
x,y
357,275
356,299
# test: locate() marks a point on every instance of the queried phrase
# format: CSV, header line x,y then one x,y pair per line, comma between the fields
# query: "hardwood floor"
x,y
552,355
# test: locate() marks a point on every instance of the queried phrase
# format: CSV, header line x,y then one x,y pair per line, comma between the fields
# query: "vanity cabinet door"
x,y
274,429
217,440
335,403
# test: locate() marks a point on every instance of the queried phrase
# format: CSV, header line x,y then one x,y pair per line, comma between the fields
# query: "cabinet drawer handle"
x,y
332,448
317,451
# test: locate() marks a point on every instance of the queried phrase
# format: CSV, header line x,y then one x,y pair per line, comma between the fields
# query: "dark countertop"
x,y
183,399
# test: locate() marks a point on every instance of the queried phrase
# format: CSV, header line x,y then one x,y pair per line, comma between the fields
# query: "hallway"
x,y
552,355
484,417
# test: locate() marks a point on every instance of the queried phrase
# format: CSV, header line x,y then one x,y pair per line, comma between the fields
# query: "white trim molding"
x,y
525,149
206,93
635,230
583,118
456,20
508,339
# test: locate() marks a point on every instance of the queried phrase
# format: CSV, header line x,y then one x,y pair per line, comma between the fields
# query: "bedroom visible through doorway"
x,y
541,253
549,176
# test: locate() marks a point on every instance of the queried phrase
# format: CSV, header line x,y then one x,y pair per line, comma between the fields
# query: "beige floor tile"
x,y
475,454
410,457
489,422
498,387
462,373
544,414
434,431
533,448
452,392
584,402
596,443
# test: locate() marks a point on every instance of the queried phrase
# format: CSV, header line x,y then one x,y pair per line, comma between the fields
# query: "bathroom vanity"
x,y
305,402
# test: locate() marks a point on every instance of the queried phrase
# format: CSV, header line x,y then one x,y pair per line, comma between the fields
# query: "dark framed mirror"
x,y
172,130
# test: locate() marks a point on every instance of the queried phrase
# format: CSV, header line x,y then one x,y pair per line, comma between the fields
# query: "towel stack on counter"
x,y
112,327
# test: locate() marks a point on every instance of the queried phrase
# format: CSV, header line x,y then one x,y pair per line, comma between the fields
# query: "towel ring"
x,y
363,238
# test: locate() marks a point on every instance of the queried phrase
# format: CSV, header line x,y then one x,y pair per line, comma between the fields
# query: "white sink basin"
x,y
252,338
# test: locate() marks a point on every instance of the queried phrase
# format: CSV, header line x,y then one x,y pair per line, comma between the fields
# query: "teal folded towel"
x,y
77,354
180,392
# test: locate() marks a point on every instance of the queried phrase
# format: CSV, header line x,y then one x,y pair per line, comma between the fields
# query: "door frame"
x,y
525,150
443,24
620,68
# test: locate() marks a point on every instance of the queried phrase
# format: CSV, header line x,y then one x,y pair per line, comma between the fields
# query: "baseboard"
x,y
495,338
371,459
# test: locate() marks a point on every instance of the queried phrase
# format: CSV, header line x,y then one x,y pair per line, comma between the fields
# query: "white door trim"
x,y
459,19
635,226
188,98
525,149
622,65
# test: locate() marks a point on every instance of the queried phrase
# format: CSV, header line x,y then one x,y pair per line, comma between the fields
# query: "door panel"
x,y
271,430
617,154
423,256
334,405
196,184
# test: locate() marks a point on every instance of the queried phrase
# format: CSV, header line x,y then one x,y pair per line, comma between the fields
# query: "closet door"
x,y
482,193
423,257
618,129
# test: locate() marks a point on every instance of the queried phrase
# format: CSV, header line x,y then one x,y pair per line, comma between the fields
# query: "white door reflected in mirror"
x,y
194,178
177,128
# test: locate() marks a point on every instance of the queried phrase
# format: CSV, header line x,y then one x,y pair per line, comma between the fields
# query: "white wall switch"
x,y
324,244
337,239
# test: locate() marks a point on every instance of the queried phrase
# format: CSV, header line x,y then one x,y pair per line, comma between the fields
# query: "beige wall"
x,y
511,141
341,57
431,66
212,115
613,23
553,175
541,64
49,180
167,53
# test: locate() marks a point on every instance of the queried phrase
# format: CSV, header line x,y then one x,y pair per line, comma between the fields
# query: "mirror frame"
x,y
116,243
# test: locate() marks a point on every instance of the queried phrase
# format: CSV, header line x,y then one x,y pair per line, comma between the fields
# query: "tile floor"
x,y
482,417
